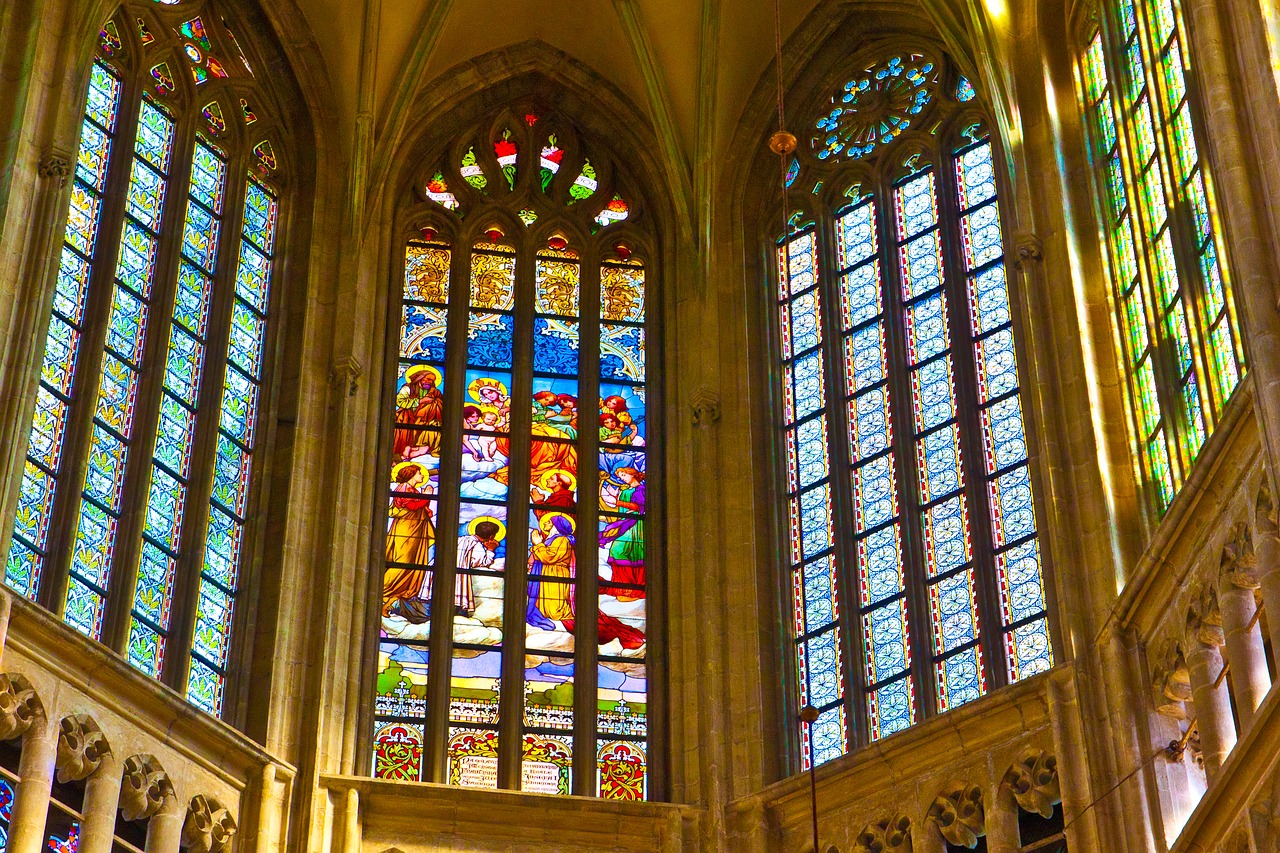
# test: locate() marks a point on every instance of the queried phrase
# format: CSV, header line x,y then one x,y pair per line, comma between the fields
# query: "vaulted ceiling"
x,y
650,49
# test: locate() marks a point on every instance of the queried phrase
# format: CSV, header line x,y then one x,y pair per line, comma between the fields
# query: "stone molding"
x,y
1028,250
208,827
959,814
706,406
346,372
81,748
1034,782
144,788
887,835
56,165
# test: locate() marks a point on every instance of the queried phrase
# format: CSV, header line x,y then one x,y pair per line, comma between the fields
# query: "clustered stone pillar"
x,y
1211,700
31,794
1250,678
1268,569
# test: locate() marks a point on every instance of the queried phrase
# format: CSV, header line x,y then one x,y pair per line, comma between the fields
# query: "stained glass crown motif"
x,y
534,156
192,56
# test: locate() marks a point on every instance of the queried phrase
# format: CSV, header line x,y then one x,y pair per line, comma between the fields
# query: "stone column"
x,y
31,797
164,830
1250,678
1212,703
1002,823
101,803
927,838
1267,543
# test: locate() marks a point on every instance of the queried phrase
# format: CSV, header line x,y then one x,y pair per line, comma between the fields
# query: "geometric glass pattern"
x,y
510,517
1171,288
135,492
917,579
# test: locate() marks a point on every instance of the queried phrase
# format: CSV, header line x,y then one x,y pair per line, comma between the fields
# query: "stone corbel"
x,y
1239,565
55,165
959,814
209,826
1034,782
81,748
144,788
1172,681
1204,622
706,406
18,706
1028,250
345,373
888,835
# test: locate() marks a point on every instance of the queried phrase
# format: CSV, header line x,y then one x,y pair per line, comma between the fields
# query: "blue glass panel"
x,y
946,536
880,565
997,365
1003,435
260,211
61,345
865,357
105,476
191,307
860,294
208,173
1029,650
248,331
183,365
35,503
821,663
959,679
223,538
155,136
200,237
811,452
73,280
917,206
856,235
137,259
804,271
95,540
818,592
84,609
126,331
145,197
117,395
975,176
555,346
423,330
204,687
875,495
816,529
921,265
213,624
888,649
165,502
1012,508
82,219
489,340
802,318
174,436
980,235
1021,582
938,457
869,424
828,736
146,647
955,617
91,160
891,708
239,406
22,569
932,394
622,353
104,96
988,300
48,429
231,476
253,277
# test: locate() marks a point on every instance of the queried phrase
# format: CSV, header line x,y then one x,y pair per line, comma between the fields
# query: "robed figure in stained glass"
x,y
419,402
625,537
406,592
552,560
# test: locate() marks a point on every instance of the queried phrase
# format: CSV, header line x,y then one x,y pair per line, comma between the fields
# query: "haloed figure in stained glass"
x,y
406,592
419,402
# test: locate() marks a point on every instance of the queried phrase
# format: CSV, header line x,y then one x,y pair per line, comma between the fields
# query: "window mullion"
x,y
904,448
854,670
440,644
124,567
52,590
587,640
511,701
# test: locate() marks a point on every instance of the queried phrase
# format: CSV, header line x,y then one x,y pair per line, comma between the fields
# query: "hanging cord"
x,y
783,144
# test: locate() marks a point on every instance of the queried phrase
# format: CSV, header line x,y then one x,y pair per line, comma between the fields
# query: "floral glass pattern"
x,y
1172,290
916,576
143,431
541,577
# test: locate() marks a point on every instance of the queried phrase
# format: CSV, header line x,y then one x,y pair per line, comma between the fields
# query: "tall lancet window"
x,y
916,568
1171,288
132,521
518,469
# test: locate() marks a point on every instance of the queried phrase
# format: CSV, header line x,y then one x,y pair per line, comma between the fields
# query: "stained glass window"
x,y
135,495
541,573
916,574
1171,288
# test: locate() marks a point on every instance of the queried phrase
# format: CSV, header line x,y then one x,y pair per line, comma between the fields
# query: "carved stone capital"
x,y
56,165
81,748
209,826
1034,782
144,787
888,835
18,706
1028,250
345,373
706,406
959,814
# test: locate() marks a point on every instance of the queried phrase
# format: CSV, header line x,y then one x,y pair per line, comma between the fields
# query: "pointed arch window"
x,y
132,517
518,471
1171,286
916,569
